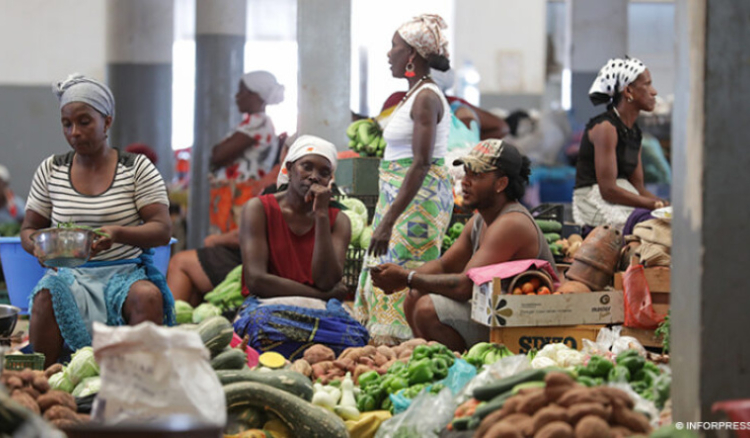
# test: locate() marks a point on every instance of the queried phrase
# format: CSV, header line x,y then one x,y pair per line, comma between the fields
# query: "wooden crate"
x,y
658,280
521,339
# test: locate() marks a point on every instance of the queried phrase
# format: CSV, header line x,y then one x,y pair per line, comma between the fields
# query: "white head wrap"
x,y
425,34
79,88
306,145
264,83
4,174
614,77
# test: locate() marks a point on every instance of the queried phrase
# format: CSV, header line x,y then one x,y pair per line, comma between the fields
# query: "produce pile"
x,y
360,222
366,137
453,233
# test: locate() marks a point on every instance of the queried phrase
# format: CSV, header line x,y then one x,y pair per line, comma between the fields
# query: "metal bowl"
x,y
63,247
8,318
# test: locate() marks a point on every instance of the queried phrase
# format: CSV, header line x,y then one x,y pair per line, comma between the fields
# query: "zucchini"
x,y
492,390
548,226
461,423
232,359
216,333
552,237
302,418
289,381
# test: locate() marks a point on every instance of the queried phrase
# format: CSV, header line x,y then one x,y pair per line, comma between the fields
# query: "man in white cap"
x,y
11,207
294,242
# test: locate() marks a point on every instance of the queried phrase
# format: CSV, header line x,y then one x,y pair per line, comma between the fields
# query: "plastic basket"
x,y
22,270
18,362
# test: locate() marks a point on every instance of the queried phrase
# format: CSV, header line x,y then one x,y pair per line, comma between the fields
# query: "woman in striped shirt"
x,y
120,193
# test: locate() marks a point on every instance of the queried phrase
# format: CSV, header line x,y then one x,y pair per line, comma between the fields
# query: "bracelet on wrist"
x,y
409,278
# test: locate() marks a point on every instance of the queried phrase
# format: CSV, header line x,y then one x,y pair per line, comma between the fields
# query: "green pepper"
x,y
586,381
376,393
436,388
413,390
366,403
439,368
639,386
420,371
396,367
628,353
368,378
599,366
650,366
643,375
397,383
387,404
420,352
619,374
663,387
632,363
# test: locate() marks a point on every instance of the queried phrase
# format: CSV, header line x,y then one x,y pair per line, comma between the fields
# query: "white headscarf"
x,y
425,34
306,145
264,83
79,88
4,174
614,77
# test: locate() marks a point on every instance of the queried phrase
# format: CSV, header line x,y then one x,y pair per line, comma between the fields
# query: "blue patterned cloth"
x,y
289,330
97,291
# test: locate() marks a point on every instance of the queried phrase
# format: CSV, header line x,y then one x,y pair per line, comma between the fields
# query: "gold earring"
x,y
630,99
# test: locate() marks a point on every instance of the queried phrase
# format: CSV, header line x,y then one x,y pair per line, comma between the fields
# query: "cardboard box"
x,y
358,176
520,340
492,308
659,284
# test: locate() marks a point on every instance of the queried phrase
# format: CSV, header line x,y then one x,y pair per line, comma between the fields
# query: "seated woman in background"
x,y
11,206
294,245
98,186
609,172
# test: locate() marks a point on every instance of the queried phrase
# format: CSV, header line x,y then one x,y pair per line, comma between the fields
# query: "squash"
x,y
300,416
231,359
289,381
245,418
549,226
216,333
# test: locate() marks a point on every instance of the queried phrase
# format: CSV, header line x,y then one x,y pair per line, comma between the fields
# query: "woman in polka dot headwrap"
x,y
609,173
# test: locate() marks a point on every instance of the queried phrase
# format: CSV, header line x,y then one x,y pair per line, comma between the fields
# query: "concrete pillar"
x,y
219,58
597,31
711,351
139,70
324,38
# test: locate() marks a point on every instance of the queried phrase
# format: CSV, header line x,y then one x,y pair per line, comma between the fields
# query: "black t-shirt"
x,y
628,149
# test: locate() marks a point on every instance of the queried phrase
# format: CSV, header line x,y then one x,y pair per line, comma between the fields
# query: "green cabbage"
x,y
82,364
184,312
88,386
357,206
61,382
365,237
204,311
357,226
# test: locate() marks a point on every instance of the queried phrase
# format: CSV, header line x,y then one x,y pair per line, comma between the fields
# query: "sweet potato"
x,y
41,384
581,395
318,353
614,394
386,351
14,382
621,432
491,419
576,412
411,343
55,397
379,359
344,364
512,403
27,375
592,427
632,420
31,391
364,360
321,368
557,384
405,354
347,352
358,371
556,429
532,403
25,400
302,366
547,415
62,423
84,418
52,370
503,429
60,412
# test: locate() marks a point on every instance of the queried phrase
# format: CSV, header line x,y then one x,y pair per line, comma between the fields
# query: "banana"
x,y
352,143
366,133
382,143
351,131
478,350
490,357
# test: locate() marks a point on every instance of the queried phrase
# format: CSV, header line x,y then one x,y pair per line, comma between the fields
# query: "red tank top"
x,y
289,255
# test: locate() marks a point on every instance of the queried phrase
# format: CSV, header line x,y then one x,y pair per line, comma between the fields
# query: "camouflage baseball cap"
x,y
492,154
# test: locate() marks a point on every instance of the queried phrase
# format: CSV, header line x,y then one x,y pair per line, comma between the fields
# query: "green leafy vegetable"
x,y
205,311
82,365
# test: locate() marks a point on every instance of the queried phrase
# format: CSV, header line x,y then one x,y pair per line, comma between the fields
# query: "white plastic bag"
x,y
149,372
505,367
426,416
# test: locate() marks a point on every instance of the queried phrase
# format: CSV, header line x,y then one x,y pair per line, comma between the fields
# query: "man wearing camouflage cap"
x,y
438,306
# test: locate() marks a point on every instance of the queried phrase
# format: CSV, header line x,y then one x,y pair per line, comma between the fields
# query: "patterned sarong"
x,y
416,239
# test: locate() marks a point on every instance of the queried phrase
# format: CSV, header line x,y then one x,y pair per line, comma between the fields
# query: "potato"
x,y
491,419
25,400
614,394
14,382
512,403
532,403
27,375
592,427
632,420
52,370
556,385
503,429
386,351
576,412
621,432
62,423
31,391
318,353
56,397
556,429
581,395
60,412
41,384
547,415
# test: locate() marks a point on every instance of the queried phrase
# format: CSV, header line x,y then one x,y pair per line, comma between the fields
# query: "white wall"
x,y
506,41
45,40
